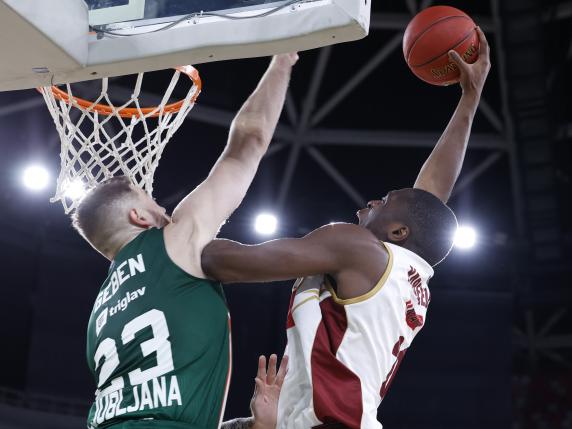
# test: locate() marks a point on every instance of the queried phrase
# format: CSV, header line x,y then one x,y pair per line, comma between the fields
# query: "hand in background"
x,y
264,403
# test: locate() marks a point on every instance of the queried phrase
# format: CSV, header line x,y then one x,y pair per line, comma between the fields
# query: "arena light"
x,y
36,177
75,189
266,224
465,237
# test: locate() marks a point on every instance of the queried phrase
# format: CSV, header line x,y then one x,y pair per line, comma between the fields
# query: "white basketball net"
x,y
98,144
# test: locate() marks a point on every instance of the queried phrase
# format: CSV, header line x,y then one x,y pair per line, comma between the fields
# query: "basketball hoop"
x,y
103,140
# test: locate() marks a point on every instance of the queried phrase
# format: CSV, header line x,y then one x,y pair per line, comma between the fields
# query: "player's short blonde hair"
x,y
103,210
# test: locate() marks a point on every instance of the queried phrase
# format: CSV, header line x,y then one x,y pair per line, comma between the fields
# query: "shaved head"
x,y
104,210
431,221
114,212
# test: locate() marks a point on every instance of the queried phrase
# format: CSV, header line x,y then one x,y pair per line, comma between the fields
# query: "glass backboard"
x,y
103,12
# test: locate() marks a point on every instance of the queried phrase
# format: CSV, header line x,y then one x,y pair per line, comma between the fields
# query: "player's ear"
x,y
139,218
398,232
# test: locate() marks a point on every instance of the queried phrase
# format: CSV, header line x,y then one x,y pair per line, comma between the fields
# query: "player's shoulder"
x,y
341,227
355,239
182,243
348,231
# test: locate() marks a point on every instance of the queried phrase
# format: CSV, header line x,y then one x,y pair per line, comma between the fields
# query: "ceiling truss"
x,y
302,133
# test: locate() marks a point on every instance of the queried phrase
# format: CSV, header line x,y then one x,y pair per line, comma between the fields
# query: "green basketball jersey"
x,y
158,343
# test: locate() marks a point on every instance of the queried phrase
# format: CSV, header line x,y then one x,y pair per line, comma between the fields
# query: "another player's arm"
x,y
441,170
264,402
331,249
197,219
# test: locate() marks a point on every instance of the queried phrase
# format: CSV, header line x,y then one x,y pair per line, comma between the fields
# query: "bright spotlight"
x,y
465,237
36,178
266,224
75,189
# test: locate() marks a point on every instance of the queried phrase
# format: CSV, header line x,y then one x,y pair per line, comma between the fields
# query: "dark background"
x,y
496,350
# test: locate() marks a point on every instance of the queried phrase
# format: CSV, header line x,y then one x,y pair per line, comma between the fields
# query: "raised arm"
x,y
441,170
198,217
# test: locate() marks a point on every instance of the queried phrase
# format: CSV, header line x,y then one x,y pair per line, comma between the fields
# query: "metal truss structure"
x,y
542,339
304,133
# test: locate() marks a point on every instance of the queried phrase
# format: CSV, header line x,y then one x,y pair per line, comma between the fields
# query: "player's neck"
x,y
380,235
121,240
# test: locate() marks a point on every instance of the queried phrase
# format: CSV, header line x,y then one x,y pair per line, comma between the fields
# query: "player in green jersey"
x,y
159,342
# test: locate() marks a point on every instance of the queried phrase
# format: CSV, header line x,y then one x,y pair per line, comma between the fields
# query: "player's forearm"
x,y
441,170
275,260
256,121
325,250
232,262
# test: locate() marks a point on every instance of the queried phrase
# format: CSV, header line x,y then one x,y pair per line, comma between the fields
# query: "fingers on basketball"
x,y
456,58
484,47
483,42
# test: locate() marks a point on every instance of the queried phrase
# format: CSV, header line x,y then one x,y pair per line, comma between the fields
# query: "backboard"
x,y
104,12
65,41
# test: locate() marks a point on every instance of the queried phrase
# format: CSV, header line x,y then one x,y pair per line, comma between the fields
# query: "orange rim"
x,y
128,112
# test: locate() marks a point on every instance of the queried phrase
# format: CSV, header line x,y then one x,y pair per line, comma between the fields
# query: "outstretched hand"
x,y
473,76
287,60
264,403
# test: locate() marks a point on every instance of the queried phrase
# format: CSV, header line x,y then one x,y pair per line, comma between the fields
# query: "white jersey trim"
x,y
369,294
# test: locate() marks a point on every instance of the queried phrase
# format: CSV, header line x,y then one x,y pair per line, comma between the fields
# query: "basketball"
x,y
428,38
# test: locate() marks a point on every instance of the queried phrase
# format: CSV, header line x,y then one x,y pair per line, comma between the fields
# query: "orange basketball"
x,y
430,35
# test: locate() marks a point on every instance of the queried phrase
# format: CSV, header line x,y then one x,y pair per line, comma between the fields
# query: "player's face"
x,y
157,213
374,209
384,217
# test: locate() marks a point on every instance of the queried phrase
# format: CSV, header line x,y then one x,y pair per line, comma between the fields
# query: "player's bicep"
x,y
430,185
